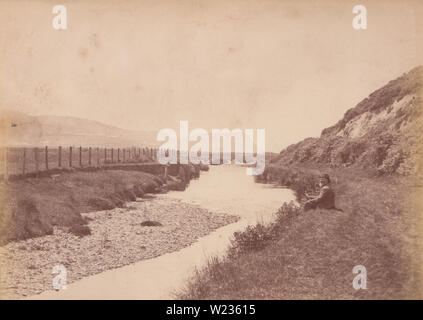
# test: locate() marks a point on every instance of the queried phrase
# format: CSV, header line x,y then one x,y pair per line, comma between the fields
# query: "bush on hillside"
x,y
257,237
251,239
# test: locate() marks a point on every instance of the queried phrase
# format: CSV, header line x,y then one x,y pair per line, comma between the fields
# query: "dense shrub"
x,y
257,237
251,239
286,211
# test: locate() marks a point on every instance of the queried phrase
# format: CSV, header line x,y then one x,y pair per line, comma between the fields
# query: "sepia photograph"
x,y
189,151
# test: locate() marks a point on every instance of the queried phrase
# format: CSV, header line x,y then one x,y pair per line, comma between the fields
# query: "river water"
x,y
224,188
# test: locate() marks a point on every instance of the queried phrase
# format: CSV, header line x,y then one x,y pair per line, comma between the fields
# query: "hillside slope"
x,y
20,129
382,133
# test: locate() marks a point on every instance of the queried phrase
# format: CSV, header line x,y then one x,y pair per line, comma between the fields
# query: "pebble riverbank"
x,y
117,239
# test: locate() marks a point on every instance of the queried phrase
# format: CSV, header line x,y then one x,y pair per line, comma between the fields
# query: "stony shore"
x,y
117,238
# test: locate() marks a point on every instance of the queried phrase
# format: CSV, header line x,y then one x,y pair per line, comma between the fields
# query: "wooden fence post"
x,y
129,153
98,156
89,156
80,156
124,154
60,156
36,160
70,157
24,161
46,156
105,155
118,158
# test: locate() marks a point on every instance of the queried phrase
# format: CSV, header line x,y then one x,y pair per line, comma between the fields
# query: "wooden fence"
x,y
16,161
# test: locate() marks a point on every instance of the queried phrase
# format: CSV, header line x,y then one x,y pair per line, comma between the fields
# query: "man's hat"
x,y
325,176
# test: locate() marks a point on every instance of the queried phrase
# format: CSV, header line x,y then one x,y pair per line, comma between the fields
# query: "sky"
x,y
290,67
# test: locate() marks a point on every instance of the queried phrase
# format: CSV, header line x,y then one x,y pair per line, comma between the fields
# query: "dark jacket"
x,y
325,199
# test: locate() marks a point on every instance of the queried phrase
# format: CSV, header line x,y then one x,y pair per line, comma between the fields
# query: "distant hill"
x,y
384,132
26,130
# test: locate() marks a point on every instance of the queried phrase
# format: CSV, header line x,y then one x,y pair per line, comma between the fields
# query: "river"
x,y
224,188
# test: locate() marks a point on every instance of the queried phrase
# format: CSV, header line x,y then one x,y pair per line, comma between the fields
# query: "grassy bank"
x,y
311,254
32,207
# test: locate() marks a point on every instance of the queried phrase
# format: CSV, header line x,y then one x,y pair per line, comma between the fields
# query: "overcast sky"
x,y
291,67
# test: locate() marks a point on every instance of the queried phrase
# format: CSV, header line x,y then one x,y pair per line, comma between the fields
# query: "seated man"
x,y
326,197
